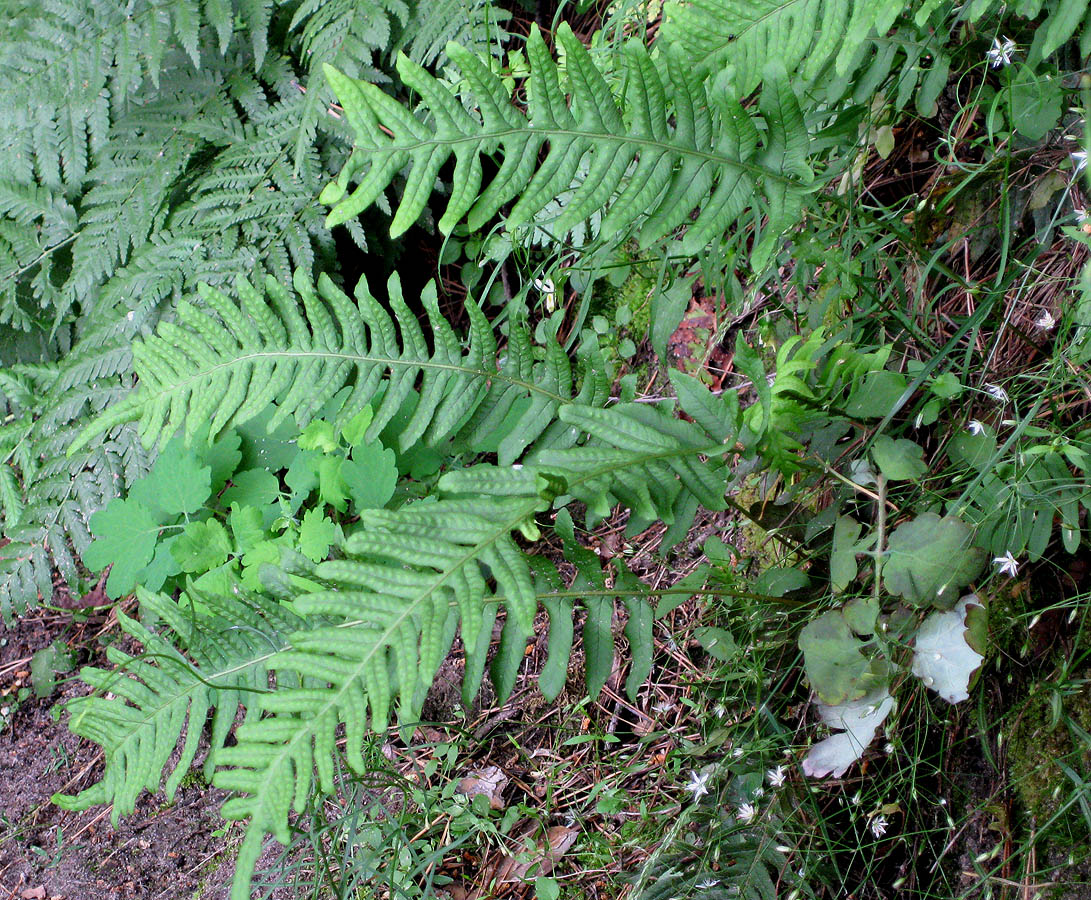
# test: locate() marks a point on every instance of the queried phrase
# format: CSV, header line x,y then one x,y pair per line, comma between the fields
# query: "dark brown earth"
x,y
163,851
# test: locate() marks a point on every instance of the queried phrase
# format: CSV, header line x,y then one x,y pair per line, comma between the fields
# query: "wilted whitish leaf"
x,y
942,658
857,722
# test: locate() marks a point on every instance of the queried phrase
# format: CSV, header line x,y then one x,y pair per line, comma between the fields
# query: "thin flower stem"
x,y
880,532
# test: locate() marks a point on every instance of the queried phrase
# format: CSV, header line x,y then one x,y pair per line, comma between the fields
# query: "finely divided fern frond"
x,y
475,24
679,145
224,363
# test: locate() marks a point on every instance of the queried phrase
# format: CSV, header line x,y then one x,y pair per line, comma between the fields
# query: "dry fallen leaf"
x,y
34,893
490,782
558,839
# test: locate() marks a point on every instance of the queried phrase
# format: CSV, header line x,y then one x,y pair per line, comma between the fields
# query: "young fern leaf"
x,y
223,363
652,166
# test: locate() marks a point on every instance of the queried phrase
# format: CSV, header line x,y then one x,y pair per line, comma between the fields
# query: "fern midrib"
x,y
600,138
192,381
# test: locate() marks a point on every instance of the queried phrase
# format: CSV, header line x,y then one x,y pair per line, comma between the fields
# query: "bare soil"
x,y
164,851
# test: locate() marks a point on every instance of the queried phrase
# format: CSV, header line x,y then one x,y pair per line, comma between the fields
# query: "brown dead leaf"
x,y
557,841
490,782
34,893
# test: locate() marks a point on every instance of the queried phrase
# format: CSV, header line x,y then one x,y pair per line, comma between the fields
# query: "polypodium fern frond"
x,y
382,629
163,690
224,363
654,163
388,618
746,36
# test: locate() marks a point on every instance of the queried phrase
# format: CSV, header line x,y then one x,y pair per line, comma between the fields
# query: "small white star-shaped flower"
x,y
746,813
1045,322
776,776
1007,564
1001,53
975,427
997,393
879,825
705,883
662,707
698,784
1079,161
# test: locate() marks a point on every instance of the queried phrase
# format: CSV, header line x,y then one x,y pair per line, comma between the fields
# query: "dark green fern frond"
x,y
82,61
652,164
131,186
345,34
224,363
474,24
163,691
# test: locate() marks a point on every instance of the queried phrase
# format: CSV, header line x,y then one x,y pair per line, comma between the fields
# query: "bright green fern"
x,y
224,363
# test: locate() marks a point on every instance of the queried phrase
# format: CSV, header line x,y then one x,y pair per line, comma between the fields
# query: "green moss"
x,y
762,548
1039,740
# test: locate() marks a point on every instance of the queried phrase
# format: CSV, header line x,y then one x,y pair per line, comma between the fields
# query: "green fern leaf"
x,y
391,613
636,165
162,691
476,24
745,37
224,362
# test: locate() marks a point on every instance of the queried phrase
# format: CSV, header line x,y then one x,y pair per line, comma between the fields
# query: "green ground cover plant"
x,y
336,334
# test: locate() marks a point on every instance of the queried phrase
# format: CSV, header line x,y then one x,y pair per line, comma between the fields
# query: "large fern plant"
x,y
384,613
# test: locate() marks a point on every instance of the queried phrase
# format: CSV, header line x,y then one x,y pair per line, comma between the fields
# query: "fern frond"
x,y
639,167
474,24
345,34
163,691
747,36
224,363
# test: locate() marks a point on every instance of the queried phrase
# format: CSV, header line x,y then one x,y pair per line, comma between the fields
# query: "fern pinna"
x,y
375,622
682,144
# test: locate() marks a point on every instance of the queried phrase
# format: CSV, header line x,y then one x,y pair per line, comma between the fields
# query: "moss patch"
x,y
1043,739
